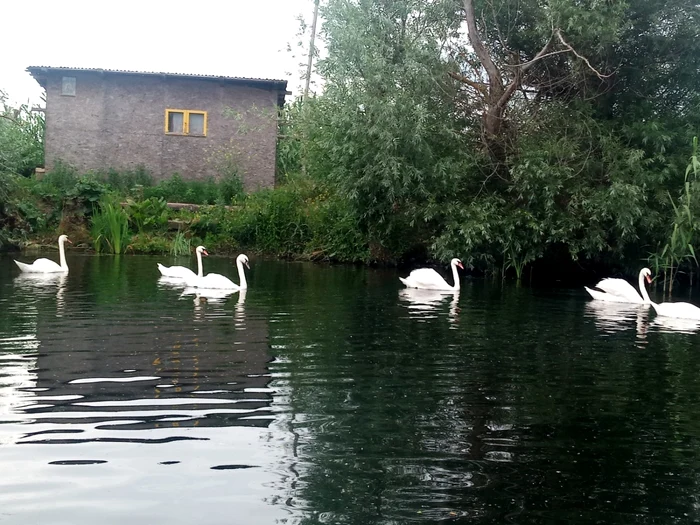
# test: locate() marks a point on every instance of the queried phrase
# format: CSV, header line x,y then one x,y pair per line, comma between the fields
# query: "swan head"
x,y
456,262
243,259
64,238
202,250
646,272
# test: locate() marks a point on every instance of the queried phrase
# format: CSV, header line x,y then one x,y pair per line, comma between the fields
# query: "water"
x,y
329,395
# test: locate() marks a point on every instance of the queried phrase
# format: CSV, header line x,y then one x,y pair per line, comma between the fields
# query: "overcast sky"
x,y
237,38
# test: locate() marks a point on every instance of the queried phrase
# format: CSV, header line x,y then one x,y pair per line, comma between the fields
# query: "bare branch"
x,y
479,86
478,45
537,57
568,46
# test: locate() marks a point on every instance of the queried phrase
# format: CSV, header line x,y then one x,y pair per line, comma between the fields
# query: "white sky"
x,y
237,38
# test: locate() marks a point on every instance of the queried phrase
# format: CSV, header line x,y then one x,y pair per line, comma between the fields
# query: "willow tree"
x,y
385,132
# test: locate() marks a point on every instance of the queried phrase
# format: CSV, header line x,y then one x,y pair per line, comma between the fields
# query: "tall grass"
x,y
181,245
110,227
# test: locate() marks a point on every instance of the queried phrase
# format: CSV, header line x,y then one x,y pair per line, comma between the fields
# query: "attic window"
x,y
186,122
68,86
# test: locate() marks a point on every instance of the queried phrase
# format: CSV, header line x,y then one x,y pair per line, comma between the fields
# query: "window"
x,y
186,122
68,86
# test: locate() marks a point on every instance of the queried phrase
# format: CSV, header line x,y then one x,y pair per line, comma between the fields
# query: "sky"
x,y
235,38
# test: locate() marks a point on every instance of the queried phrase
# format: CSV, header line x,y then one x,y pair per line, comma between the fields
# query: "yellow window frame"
x,y
185,121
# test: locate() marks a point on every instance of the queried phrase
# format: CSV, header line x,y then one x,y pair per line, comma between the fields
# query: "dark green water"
x,y
327,395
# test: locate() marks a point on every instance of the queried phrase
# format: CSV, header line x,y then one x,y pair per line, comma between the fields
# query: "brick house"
x,y
194,125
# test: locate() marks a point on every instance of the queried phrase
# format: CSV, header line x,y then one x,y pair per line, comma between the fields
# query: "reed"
x,y
181,245
110,227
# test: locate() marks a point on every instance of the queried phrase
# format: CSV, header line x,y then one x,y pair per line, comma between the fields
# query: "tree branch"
x,y
479,86
568,46
479,49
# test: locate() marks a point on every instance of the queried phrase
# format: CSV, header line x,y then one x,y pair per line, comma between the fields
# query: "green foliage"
x,y
679,246
290,139
148,214
110,227
389,142
149,243
21,138
181,245
209,191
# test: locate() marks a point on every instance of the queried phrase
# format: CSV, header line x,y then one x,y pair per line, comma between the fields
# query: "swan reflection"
x,y
615,317
44,284
171,282
204,295
671,324
239,313
422,303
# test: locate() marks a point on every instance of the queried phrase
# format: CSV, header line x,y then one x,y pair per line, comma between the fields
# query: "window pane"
x,y
68,86
175,121
196,124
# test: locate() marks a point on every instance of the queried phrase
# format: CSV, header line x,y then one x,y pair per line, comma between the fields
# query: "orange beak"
x,y
204,252
648,279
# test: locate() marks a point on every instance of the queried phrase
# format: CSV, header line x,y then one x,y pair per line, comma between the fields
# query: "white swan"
x,y
677,310
182,272
215,281
620,291
47,265
429,279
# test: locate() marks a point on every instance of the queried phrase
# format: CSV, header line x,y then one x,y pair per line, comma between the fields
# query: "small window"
x,y
185,122
68,86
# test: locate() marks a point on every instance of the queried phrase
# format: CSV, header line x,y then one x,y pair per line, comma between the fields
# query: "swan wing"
x,y
426,278
180,272
608,297
41,266
621,289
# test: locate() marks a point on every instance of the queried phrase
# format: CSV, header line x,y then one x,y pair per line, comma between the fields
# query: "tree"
x,y
21,138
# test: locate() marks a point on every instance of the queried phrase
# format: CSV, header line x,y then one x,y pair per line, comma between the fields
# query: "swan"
x,y
429,279
215,281
182,272
620,291
677,310
47,265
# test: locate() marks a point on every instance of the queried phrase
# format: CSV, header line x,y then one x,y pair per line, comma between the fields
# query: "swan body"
x,y
216,281
47,265
620,291
429,279
677,310
182,272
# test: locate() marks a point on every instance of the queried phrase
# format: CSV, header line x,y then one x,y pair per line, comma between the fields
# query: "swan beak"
x,y
204,252
459,264
69,241
247,265
648,279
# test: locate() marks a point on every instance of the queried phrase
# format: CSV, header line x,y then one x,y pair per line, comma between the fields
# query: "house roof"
x,y
38,72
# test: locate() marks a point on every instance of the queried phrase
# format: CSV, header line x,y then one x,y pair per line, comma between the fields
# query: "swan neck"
x,y
200,268
455,275
62,255
241,275
643,289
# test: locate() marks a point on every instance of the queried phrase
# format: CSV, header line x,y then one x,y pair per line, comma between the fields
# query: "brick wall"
x,y
117,121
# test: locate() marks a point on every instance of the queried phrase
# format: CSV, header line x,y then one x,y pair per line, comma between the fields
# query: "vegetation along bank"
x,y
522,137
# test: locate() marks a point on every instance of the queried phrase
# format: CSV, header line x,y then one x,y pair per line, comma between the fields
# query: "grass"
x,y
110,227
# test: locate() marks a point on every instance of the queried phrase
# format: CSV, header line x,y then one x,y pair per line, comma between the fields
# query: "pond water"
x,y
330,395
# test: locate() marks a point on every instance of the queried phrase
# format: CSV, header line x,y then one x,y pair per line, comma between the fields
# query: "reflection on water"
x,y
670,324
425,304
613,317
333,395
